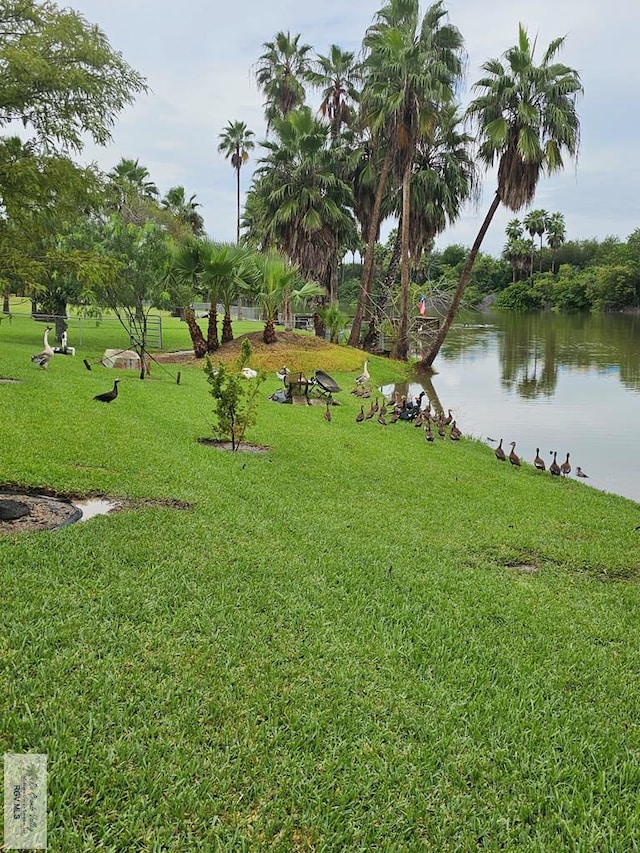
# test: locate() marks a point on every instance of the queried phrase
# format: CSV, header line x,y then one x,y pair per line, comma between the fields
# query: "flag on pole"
x,y
423,305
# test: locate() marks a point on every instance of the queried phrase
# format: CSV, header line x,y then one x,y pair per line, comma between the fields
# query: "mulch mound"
x,y
298,351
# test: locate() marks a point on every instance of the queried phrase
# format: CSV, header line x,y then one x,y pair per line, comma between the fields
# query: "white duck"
x,y
364,376
43,358
249,373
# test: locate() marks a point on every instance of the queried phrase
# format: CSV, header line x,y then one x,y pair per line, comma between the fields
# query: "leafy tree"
x,y
138,281
614,287
42,196
235,143
571,290
59,75
236,397
526,118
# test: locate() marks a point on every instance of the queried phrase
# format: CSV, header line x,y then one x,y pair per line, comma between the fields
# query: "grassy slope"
x,y
331,649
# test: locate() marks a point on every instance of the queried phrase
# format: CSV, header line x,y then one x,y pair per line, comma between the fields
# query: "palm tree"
x,y
132,190
337,75
526,118
183,210
229,286
518,253
535,222
281,72
514,230
273,276
412,68
184,276
556,234
298,203
235,143
444,178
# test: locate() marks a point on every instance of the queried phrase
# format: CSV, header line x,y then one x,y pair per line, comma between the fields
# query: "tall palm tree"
x,y
412,67
235,143
132,189
298,203
281,72
184,210
526,118
338,76
556,234
518,253
535,222
443,179
514,230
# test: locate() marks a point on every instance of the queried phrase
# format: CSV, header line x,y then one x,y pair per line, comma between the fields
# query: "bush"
x,y
235,396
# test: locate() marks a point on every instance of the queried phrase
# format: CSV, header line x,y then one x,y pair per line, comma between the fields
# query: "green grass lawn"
x,y
335,647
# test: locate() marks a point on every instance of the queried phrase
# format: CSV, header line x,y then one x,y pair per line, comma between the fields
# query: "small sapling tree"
x,y
235,395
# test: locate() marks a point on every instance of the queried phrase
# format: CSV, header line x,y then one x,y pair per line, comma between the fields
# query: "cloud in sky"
x,y
197,58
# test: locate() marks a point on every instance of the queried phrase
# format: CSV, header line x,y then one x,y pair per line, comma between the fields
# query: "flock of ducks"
x,y
399,408
555,470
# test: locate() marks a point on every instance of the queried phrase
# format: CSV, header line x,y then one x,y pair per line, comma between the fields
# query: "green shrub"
x,y
235,396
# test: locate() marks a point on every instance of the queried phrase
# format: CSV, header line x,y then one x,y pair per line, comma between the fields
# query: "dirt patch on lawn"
x,y
243,447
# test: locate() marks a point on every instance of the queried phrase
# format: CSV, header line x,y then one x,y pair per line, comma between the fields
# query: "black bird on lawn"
x,y
108,396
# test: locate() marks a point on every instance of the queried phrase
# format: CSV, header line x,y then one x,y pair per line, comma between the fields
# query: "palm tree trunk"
x,y
238,206
402,347
427,361
5,303
269,334
367,271
227,330
212,332
197,338
540,260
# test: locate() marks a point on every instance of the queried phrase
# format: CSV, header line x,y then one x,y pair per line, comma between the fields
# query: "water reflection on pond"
x,y
564,383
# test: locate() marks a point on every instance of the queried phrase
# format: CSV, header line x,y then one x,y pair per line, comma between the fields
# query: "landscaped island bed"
x,y
355,641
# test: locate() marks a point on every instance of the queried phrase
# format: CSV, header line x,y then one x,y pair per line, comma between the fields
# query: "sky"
x,y
197,58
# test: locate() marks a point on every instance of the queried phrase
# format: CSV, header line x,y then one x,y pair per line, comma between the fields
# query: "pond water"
x,y
563,383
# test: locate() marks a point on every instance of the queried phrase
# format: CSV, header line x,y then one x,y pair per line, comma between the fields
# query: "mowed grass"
x,y
355,641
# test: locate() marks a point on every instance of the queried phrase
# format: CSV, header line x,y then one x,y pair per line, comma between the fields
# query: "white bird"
x,y
364,376
249,373
43,358
64,348
283,373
